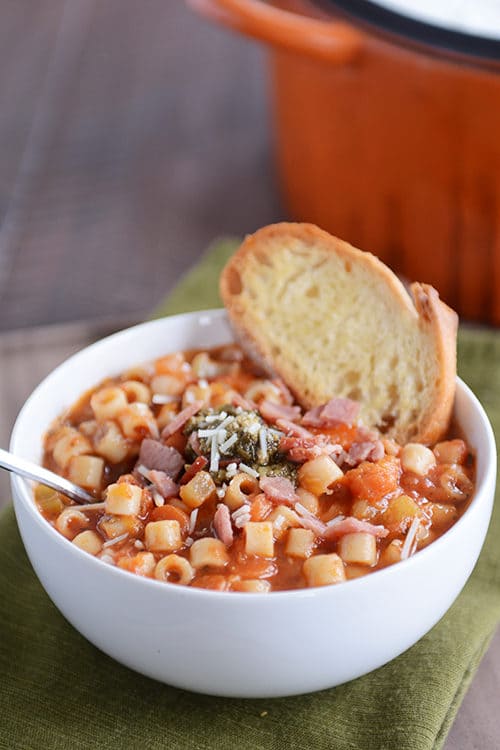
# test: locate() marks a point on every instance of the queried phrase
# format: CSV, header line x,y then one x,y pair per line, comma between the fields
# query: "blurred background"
x,y
131,135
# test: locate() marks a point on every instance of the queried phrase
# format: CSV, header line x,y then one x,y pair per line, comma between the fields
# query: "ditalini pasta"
x,y
207,474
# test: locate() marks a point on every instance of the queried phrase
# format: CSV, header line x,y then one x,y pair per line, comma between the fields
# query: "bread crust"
x,y
430,315
443,322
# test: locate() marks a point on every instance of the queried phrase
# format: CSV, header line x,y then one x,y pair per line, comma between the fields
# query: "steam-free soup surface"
x,y
207,474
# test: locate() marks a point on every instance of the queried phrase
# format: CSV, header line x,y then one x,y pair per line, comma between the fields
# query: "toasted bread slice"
x,y
332,320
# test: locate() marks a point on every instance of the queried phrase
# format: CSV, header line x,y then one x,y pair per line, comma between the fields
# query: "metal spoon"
x,y
32,471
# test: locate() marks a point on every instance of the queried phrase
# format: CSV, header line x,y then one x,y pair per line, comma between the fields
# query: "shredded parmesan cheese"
x,y
335,521
229,444
243,510
408,548
192,520
159,499
92,506
242,520
214,454
302,511
221,435
209,433
276,433
227,421
141,469
263,444
249,470
212,418
116,540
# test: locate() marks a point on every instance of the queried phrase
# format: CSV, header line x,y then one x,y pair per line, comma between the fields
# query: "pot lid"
x,y
470,27
477,17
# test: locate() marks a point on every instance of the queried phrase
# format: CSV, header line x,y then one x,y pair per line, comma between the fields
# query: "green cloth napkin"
x,y
58,691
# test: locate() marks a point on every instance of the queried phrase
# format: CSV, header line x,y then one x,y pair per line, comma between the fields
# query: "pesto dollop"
x,y
240,436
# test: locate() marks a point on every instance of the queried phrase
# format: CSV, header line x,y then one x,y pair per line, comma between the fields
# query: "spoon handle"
x,y
39,474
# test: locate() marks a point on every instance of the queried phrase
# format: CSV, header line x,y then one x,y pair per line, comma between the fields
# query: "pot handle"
x,y
333,41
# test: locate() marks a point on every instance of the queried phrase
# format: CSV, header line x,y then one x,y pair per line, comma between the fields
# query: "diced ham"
x,y
272,412
163,483
312,418
290,428
301,449
377,452
284,391
370,450
245,403
155,455
278,489
225,462
197,465
194,443
341,458
222,524
181,418
334,412
309,521
337,528
366,434
343,410
351,525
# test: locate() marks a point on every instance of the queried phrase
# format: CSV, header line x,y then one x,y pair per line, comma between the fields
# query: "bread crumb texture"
x,y
332,320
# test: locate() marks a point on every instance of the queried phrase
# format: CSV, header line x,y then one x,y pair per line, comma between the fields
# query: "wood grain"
x,y
138,132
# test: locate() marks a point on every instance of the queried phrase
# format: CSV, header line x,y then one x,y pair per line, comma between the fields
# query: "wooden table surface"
x,y
131,135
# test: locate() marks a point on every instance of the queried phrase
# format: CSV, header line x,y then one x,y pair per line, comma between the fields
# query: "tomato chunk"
x,y
373,481
260,508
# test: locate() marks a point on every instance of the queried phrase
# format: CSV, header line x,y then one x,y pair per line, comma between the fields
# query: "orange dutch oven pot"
x,y
387,140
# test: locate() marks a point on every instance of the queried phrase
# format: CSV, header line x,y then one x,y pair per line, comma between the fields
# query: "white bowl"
x,y
237,644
